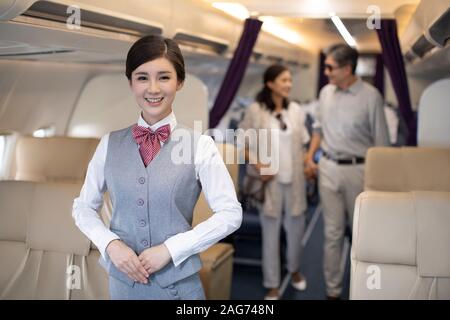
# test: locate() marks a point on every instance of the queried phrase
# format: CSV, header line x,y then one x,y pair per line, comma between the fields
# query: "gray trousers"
x,y
294,228
339,185
186,289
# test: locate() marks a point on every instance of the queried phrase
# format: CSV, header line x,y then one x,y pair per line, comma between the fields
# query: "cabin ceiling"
x,y
310,18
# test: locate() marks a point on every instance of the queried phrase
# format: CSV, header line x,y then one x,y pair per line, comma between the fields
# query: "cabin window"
x,y
44,132
2,150
7,144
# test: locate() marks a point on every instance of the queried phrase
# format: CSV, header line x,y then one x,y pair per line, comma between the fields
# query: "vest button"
x,y
142,223
140,202
141,180
144,243
173,291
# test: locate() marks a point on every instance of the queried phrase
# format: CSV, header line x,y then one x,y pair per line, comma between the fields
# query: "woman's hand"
x,y
126,260
155,258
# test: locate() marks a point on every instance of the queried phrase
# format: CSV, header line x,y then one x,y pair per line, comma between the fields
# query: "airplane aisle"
x,y
247,272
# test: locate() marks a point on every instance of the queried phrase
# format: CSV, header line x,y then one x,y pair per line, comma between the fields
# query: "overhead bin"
x,y
39,29
59,12
201,41
428,29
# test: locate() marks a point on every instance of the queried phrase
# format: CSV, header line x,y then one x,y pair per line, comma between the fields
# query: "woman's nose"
x,y
153,87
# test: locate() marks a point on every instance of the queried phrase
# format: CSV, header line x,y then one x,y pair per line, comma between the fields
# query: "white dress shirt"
x,y
217,186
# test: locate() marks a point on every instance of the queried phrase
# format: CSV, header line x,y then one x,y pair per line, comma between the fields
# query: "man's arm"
x,y
310,166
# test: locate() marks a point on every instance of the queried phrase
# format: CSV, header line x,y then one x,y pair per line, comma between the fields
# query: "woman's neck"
x,y
278,101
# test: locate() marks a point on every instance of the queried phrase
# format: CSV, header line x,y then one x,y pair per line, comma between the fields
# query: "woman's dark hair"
x,y
264,97
153,47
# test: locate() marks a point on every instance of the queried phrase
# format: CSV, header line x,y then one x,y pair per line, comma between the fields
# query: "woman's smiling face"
x,y
154,85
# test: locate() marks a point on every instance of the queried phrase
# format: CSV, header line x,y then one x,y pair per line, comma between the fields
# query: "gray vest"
x,y
154,203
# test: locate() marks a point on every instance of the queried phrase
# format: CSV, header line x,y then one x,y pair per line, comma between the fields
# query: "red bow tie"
x,y
150,141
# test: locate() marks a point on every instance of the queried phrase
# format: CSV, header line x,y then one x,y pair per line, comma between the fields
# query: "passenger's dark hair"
x,y
153,47
343,55
264,97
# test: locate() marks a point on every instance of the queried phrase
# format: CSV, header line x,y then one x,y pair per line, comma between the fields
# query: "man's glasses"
x,y
283,125
330,68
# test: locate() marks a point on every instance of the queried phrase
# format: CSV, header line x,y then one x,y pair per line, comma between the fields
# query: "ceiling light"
x,y
343,30
236,10
273,27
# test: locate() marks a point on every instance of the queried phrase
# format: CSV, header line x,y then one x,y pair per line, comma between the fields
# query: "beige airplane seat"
x,y
407,169
59,159
65,160
217,271
393,171
401,244
45,256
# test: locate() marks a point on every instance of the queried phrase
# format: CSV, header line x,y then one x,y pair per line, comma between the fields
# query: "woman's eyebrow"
x,y
146,73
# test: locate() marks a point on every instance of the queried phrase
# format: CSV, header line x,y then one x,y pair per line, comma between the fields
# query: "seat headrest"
x,y
433,233
14,208
384,228
406,169
58,159
50,224
407,228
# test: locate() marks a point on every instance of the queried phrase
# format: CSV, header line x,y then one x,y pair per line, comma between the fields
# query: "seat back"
x,y
400,246
44,255
59,159
432,127
407,168
202,211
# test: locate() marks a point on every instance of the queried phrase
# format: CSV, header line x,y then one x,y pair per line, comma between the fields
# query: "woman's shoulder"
x,y
122,131
255,106
295,107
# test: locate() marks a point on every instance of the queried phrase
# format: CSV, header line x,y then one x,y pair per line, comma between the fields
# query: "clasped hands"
x,y
310,169
138,268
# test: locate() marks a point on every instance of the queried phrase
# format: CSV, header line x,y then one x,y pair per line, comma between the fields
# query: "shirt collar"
x,y
170,120
354,88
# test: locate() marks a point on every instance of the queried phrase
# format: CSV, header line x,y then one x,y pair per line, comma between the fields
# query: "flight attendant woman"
x,y
150,250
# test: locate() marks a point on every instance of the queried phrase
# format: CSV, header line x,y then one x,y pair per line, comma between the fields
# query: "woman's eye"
x,y
164,78
142,78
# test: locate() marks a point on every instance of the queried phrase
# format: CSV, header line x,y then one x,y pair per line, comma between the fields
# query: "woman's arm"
x,y
221,196
87,205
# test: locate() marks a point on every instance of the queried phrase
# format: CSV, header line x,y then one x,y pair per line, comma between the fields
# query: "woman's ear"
x,y
269,84
180,85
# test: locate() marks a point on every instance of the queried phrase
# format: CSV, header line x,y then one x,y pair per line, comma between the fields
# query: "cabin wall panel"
x,y
36,94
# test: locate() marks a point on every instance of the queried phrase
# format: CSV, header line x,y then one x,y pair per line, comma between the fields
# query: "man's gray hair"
x,y
343,55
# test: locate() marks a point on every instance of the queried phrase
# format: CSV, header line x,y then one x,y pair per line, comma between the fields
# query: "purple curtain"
x,y
378,79
393,60
323,80
235,71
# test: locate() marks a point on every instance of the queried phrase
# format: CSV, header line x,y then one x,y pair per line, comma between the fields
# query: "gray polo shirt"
x,y
351,121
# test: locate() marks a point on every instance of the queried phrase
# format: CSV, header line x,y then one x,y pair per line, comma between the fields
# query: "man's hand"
x,y
126,260
310,169
264,177
155,258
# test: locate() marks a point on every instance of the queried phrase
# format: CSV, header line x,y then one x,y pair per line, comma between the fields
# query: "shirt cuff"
x,y
177,251
103,240
318,130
